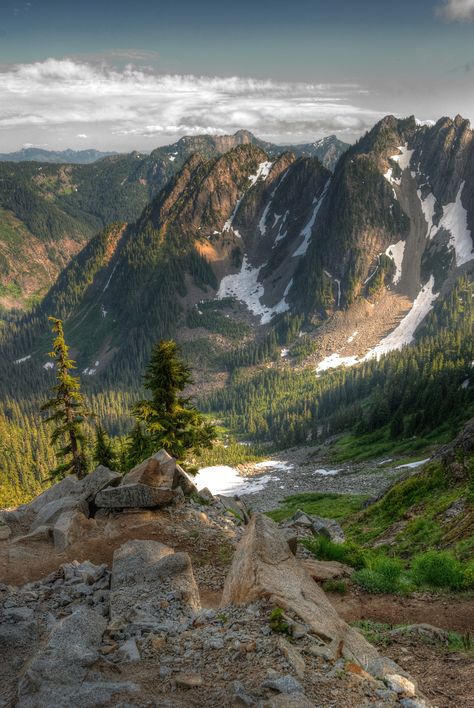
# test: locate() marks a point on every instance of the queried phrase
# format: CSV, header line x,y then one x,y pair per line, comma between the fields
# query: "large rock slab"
x,y
264,567
51,511
61,673
183,480
69,528
134,496
326,570
97,480
152,587
157,471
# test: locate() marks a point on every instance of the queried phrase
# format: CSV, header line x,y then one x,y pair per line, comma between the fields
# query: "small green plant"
x,y
375,632
277,623
382,577
438,569
338,586
223,618
468,576
349,552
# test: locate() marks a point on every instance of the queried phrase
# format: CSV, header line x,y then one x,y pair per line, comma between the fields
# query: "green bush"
x,y
383,576
349,553
338,586
468,575
437,568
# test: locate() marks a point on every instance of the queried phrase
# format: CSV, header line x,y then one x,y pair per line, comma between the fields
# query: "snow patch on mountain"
x,y
395,251
333,361
428,206
454,220
308,229
404,333
23,358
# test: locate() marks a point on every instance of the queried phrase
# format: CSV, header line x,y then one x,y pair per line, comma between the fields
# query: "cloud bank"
x,y
457,10
74,97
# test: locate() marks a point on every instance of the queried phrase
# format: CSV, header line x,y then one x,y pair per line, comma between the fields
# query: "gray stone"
x,y
206,495
19,614
129,650
300,518
89,572
328,528
157,471
50,512
283,684
69,528
97,480
39,535
152,587
134,496
5,532
183,480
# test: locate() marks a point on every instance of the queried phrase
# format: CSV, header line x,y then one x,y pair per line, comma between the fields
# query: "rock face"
x,y
153,588
134,496
264,566
156,471
60,674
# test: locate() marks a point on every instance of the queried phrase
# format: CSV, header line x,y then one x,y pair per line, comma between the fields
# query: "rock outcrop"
x,y
264,567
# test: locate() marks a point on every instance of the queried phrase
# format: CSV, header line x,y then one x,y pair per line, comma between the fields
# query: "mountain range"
x,y
238,239
48,212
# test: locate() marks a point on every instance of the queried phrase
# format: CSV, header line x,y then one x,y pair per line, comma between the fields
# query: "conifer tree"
x,y
104,453
170,421
69,411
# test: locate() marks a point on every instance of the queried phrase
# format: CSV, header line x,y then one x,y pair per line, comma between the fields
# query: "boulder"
x,y
235,505
184,481
328,528
60,674
97,480
51,511
5,532
134,496
264,567
152,588
156,471
326,570
69,528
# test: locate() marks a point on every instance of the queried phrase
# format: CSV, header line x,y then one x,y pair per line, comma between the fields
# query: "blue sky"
x,y
69,70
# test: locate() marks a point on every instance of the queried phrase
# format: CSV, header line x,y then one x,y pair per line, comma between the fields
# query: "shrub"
x,y
349,553
468,575
338,586
437,568
277,622
383,576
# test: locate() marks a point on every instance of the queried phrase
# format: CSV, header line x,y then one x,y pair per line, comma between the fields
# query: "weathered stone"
x,y
189,680
291,538
97,480
5,532
156,471
401,685
151,586
283,684
300,518
293,656
234,505
39,535
70,528
57,675
326,570
206,495
51,511
263,567
183,480
328,528
134,496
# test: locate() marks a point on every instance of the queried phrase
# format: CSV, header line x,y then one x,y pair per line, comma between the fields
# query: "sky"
x,y
122,75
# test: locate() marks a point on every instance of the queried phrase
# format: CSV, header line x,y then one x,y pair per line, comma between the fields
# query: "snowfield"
x,y
308,229
454,220
395,251
225,480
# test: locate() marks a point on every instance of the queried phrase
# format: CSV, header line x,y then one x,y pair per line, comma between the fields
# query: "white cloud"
x,y
81,135
88,98
457,10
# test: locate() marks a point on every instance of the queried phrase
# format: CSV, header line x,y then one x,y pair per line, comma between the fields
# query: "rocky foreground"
x,y
144,628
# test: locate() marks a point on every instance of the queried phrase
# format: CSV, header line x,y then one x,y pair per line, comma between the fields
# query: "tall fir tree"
x,y
69,410
170,421
104,453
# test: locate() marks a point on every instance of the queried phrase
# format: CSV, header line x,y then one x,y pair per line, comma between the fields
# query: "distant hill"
x,y
70,157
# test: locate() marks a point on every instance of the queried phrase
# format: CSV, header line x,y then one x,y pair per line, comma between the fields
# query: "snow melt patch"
x,y
353,336
23,358
404,333
327,473
412,465
48,365
262,172
395,252
307,231
428,207
454,220
404,158
333,361
225,480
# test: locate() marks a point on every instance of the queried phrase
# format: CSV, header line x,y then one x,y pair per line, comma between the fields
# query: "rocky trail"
x,y
175,606
263,485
